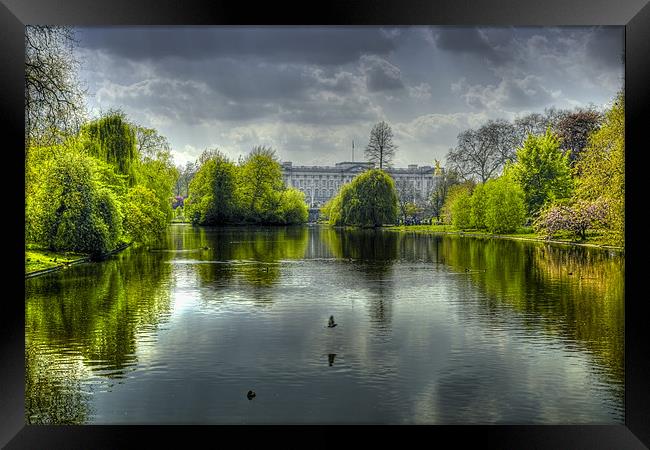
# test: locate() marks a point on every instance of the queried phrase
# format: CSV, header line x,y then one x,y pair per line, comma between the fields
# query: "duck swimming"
x,y
250,395
331,323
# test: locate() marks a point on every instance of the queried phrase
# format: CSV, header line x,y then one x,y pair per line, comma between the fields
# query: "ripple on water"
x,y
181,334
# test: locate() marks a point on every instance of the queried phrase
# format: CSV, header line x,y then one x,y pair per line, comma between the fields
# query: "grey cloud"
x,y
488,43
509,93
606,46
380,74
320,45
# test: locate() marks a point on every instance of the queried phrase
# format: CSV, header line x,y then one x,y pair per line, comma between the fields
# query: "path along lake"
x,y
432,329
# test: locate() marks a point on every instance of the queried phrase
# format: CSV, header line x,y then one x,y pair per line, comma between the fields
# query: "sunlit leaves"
x,y
542,170
370,200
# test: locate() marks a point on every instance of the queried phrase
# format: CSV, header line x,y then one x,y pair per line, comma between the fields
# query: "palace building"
x,y
321,183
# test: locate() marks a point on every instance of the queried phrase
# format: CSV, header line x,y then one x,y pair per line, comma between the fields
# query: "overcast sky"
x,y
308,92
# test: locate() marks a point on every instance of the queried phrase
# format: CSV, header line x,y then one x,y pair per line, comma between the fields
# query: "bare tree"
x,y
380,148
537,123
438,195
407,196
185,175
474,157
502,136
481,154
53,95
150,144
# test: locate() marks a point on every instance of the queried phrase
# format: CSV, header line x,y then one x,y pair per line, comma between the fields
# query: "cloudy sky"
x,y
308,92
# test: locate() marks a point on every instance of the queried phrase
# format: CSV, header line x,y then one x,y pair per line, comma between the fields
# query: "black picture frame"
x,y
633,14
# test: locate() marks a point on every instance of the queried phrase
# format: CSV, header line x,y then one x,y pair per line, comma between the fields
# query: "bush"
x,y
576,218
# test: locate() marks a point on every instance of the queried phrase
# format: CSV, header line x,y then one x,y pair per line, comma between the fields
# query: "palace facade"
x,y
321,183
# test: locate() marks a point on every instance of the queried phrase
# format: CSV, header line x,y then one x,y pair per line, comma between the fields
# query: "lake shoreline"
x,y
402,229
71,262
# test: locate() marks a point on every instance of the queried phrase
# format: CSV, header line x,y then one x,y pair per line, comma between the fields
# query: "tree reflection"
x,y
372,254
251,257
88,317
575,293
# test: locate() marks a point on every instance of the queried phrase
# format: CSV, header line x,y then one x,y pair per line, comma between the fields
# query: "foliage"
x,y
252,192
542,170
112,139
577,218
369,200
537,124
258,186
185,176
67,207
461,209
407,196
453,192
504,205
143,221
380,148
477,217
601,169
212,192
293,208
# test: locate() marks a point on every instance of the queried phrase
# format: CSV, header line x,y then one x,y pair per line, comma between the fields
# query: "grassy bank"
x,y
38,259
524,233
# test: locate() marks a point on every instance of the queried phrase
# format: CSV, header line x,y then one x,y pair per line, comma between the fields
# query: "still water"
x,y
431,330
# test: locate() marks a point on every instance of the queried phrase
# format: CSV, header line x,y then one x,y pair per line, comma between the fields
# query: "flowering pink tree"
x,y
576,218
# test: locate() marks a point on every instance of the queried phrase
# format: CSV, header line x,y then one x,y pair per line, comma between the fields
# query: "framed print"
x,y
369,213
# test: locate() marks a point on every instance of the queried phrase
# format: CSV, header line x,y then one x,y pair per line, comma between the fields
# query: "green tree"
x,y
143,221
454,191
293,208
542,170
369,200
68,208
259,182
601,168
461,210
155,167
505,209
112,139
477,218
211,198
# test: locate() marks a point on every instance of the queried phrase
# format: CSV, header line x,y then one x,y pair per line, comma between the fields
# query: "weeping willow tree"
x,y
112,139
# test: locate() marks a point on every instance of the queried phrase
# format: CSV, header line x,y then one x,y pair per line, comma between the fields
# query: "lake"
x,y
431,329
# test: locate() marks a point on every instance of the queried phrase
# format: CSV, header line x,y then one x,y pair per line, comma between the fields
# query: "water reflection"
x,y
430,329
85,322
533,280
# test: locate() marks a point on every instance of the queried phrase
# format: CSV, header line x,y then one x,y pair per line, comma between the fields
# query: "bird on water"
x,y
250,395
331,323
